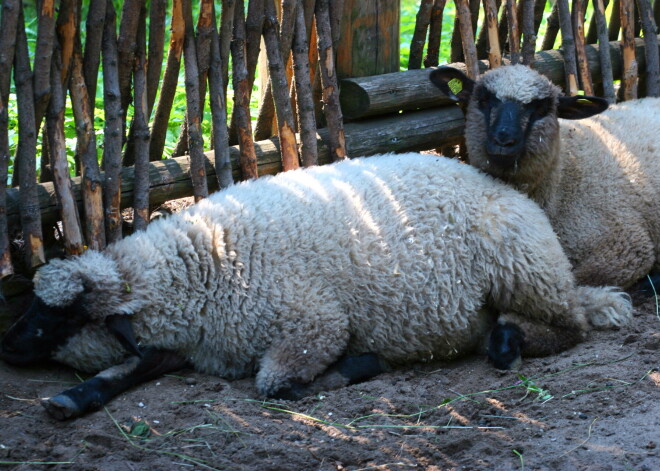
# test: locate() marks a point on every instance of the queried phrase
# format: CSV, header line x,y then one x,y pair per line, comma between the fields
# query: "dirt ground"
x,y
594,407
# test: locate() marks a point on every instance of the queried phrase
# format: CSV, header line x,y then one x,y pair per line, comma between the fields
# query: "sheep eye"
x,y
486,99
539,108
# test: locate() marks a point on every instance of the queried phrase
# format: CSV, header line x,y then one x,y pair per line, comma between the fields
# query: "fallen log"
x,y
170,178
411,89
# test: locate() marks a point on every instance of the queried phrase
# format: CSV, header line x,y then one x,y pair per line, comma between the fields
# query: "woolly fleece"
x,y
598,179
396,255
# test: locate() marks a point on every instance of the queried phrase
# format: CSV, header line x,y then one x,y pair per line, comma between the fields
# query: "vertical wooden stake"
x,y
568,45
494,51
629,74
582,62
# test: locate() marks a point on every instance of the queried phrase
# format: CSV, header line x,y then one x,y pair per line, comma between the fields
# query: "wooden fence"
x,y
301,39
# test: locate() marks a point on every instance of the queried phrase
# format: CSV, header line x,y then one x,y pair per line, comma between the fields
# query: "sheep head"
x,y
71,295
512,131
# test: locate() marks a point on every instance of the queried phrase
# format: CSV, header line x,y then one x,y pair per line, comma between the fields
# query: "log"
x,y
411,89
112,129
170,178
26,157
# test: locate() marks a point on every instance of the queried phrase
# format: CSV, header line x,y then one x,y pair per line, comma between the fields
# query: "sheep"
x,y
597,179
311,279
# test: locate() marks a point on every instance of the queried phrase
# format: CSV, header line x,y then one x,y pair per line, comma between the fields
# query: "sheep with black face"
x,y
598,179
312,279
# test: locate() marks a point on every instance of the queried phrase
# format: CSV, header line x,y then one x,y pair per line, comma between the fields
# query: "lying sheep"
x,y
312,279
597,179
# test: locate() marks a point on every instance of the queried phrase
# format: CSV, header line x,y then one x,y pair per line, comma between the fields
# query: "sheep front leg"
x,y
97,391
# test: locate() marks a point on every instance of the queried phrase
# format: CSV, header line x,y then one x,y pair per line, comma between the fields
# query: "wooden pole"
x,y
26,152
157,14
86,149
170,81
280,88
467,38
331,105
8,24
552,29
578,29
42,58
193,111
242,96
73,238
219,111
604,53
528,32
630,72
494,51
422,21
568,46
514,33
141,127
112,129
306,120
651,39
435,32
94,36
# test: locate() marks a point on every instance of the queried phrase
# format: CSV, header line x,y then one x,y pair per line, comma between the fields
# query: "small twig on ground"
x,y
583,442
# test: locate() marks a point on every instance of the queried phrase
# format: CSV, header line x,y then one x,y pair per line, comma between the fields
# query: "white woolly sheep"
x,y
597,179
394,258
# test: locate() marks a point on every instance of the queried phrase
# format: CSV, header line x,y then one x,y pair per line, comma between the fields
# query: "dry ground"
x,y
594,407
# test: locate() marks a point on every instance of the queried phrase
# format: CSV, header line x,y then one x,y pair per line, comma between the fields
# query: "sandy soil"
x,y
594,407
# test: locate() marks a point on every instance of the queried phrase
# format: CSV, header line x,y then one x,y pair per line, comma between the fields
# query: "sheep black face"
x,y
511,115
39,332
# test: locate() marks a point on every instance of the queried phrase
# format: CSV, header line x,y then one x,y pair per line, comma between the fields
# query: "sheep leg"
x,y
306,348
348,370
97,391
515,336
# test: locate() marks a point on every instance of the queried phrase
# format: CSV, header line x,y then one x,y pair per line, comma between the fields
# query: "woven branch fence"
x,y
300,122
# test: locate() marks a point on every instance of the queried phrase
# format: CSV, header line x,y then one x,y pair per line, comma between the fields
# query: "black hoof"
x,y
505,346
295,392
61,407
360,368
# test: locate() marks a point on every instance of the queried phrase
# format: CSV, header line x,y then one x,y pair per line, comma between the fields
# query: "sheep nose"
x,y
505,138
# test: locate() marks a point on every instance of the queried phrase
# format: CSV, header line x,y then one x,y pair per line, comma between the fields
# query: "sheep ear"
x,y
580,106
120,326
453,83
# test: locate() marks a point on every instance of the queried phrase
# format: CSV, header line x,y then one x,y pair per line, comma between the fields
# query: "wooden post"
x,y
603,52
629,79
494,52
364,24
651,38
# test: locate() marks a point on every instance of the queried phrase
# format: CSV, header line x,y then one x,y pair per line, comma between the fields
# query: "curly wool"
x,y
598,179
395,255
